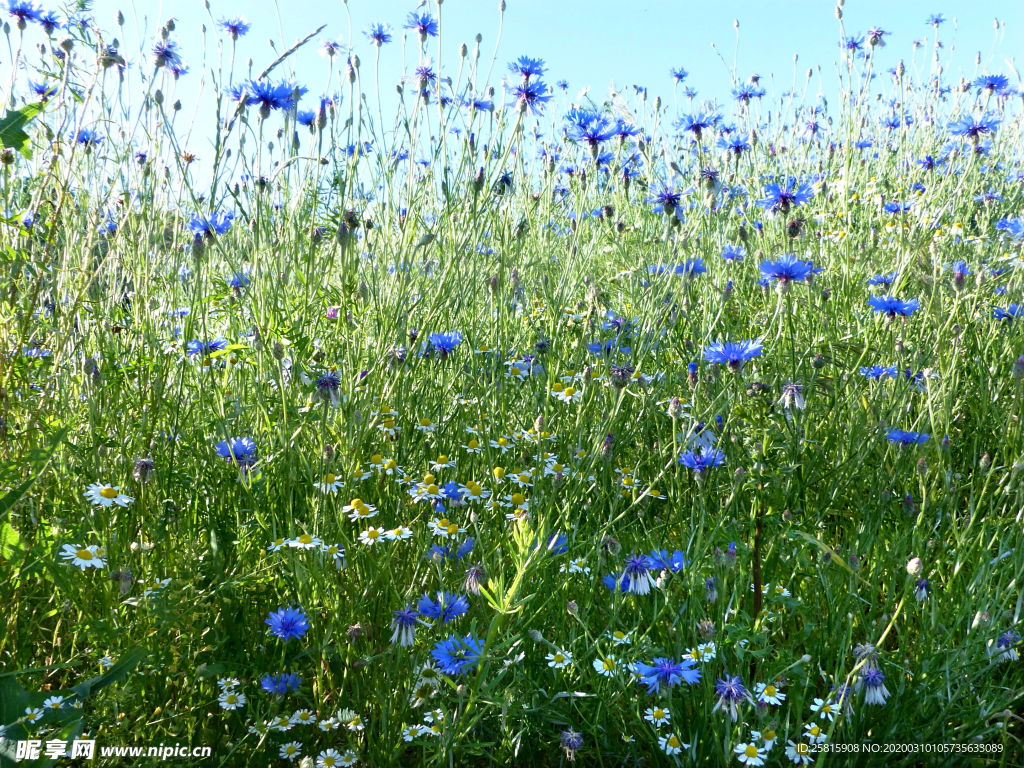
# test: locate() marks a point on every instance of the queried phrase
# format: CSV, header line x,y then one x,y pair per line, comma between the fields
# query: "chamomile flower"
x,y
32,715
443,462
281,723
559,659
228,683
578,565
350,758
329,483
618,637
769,737
399,532
567,394
799,752
358,510
336,552
388,427
351,720
305,541
426,426
329,724
522,478
83,557
824,709
303,717
672,744
428,490
472,446
769,694
230,700
291,750
503,444
657,715
515,501
103,495
445,528
750,754
606,666
54,702
814,734
703,653
277,545
473,491
371,536
329,758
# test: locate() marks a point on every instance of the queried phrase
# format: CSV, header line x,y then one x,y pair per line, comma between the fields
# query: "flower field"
x,y
515,427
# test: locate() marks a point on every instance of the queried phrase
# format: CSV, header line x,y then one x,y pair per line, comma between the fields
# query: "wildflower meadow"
x,y
489,424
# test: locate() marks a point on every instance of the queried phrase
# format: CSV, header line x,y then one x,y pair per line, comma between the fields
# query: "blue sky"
x,y
592,42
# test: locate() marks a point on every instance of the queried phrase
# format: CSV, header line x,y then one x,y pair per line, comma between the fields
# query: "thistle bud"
x,y
66,44
914,566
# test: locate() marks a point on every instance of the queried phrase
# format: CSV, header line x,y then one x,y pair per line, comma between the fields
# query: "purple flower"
x,y
702,460
448,606
281,683
731,692
733,353
902,437
404,625
666,671
637,574
456,656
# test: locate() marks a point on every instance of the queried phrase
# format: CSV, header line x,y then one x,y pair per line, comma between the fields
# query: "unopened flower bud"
x,y
914,566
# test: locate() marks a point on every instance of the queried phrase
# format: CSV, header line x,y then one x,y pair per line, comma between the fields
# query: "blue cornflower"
x,y
852,44
662,560
731,692
935,19
328,388
884,280
626,130
165,53
747,91
424,24
891,306
451,491
779,198
288,623
703,459
558,544
903,437
477,102
613,580
530,97
404,625
450,551
678,74
205,348
993,83
216,224
897,207
445,343
733,252
690,268
667,198
1012,312
87,137
236,26
974,128
733,353
637,575
877,372
456,656
448,606
786,270
921,590
378,34
268,96
734,145
281,683
305,117
1014,227
697,123
527,67
240,450
667,671
50,21
589,127
43,91
24,11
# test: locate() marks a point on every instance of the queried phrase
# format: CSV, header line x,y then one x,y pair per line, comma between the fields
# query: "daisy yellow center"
x,y
499,472
557,468
627,481
108,493
84,554
356,503
390,464
291,749
515,370
609,665
815,731
453,529
389,423
580,454
473,487
424,422
329,478
473,445
779,590
373,533
557,388
768,735
619,634
750,751
826,709
442,459
432,489
655,493
570,391
305,539
517,499
769,690
428,479
502,442
673,741
443,523
231,699
658,714
328,762
524,478
376,459
278,542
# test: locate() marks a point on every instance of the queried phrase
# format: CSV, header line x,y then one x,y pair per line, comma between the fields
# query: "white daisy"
x,y
329,758
472,491
559,659
291,750
443,462
824,709
619,637
672,744
357,509
230,700
606,667
657,715
473,446
329,724
103,495
83,557
769,694
277,544
349,758
305,541
228,683
814,734
800,753
503,444
371,536
426,426
329,483
336,552
54,702
750,754
578,565
444,527
303,717
400,532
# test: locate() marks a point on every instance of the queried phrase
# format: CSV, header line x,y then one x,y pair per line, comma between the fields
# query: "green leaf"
x,y
12,128
14,496
10,541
